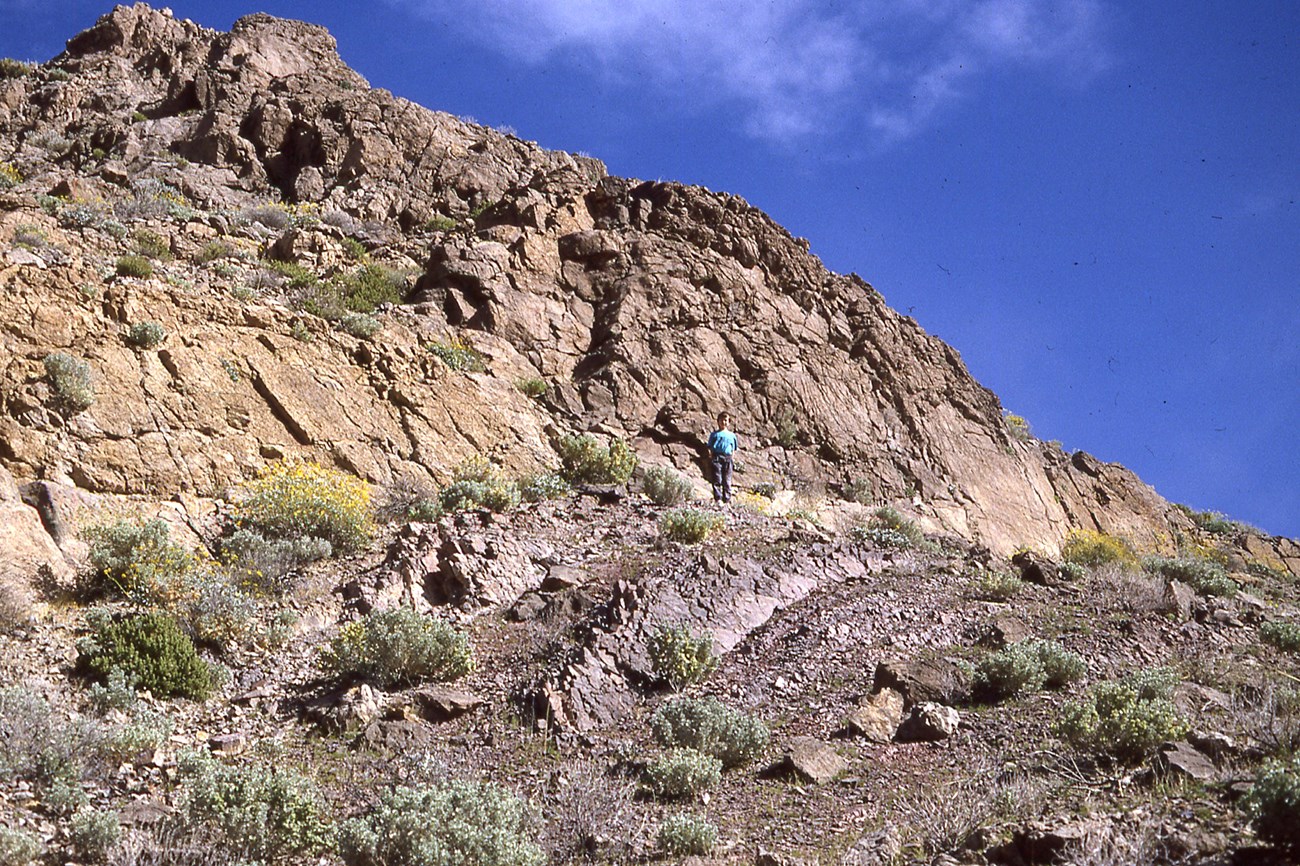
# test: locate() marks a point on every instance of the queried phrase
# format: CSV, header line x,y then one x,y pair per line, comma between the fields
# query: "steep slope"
x,y
647,307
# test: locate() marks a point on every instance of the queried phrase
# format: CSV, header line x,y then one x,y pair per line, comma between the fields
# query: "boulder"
x,y
876,717
929,722
1036,568
812,761
1180,759
935,680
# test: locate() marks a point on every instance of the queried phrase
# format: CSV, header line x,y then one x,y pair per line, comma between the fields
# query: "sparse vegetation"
x,y
532,387
11,68
680,657
152,649
19,847
93,833
1126,718
9,175
451,823
265,813
888,528
709,726
687,835
682,773
665,487
1026,667
74,390
459,356
146,335
1202,575
134,558
398,647
1092,549
478,484
999,584
689,525
585,460
860,490
1274,805
1283,635
134,266
544,485
363,326
304,500
1017,427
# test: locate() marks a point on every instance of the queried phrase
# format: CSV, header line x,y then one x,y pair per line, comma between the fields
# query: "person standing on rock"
x,y
722,445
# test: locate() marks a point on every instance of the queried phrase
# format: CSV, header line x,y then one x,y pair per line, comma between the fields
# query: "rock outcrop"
x,y
646,307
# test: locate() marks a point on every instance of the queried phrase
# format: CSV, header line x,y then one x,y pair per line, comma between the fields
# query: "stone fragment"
x,y
1003,630
876,718
929,722
229,744
937,680
812,761
1181,600
395,737
440,703
1041,843
1180,759
1035,568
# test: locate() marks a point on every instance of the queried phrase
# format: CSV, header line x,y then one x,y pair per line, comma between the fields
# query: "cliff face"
x,y
647,307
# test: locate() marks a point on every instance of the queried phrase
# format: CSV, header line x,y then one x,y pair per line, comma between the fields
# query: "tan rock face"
x,y
647,307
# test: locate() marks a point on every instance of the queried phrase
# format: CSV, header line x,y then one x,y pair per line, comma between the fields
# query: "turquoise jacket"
x,y
722,443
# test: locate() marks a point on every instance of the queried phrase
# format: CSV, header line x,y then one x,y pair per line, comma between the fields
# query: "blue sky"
x,y
1095,202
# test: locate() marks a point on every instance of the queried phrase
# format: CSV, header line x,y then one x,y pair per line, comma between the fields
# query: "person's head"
x,y
724,420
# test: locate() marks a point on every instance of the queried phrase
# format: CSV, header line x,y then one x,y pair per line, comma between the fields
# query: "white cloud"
x,y
796,68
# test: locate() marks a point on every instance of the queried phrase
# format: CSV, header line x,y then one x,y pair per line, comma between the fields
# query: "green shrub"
x,y
888,528
478,484
440,223
134,266
265,813
1127,719
584,460
19,847
151,648
1217,524
1283,635
152,245
1027,667
11,68
999,585
136,559
370,285
1072,571
216,611
679,657
1091,549
363,326
682,773
1202,575
70,378
544,485
294,275
146,335
93,833
665,487
1274,805
459,356
1017,427
262,562
860,490
686,835
709,726
213,251
303,500
354,249
398,647
689,525
450,823
532,387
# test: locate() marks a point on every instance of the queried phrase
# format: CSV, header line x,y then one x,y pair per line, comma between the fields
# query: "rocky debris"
x,y
229,744
764,857
936,680
928,723
728,597
1041,843
393,738
1036,568
351,710
811,760
881,848
1003,630
1183,602
876,717
1181,759
439,703
1214,744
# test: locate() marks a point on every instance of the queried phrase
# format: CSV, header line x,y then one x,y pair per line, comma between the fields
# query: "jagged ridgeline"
x,y
256,202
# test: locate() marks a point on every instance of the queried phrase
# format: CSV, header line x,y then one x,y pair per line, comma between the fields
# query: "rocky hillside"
x,y
284,355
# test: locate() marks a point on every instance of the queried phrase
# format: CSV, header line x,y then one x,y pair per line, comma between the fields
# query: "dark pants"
x,y
721,477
